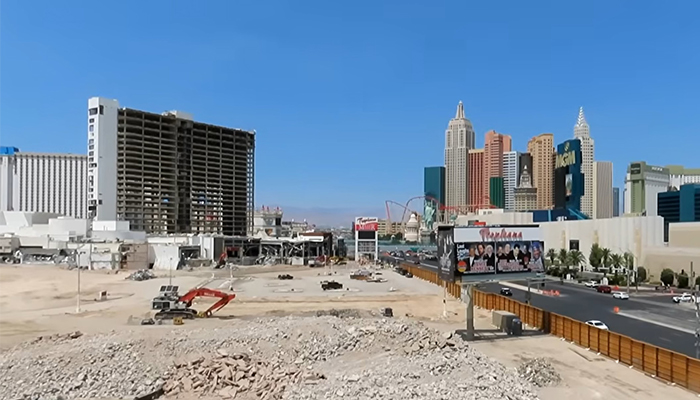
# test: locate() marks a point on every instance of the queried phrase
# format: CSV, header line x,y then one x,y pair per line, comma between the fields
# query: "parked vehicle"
x,y
591,284
684,298
597,324
604,289
621,296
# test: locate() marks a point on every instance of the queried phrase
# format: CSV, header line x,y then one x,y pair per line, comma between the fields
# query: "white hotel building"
x,y
43,182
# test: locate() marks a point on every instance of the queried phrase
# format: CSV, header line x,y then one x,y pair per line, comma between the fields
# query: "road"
x,y
633,320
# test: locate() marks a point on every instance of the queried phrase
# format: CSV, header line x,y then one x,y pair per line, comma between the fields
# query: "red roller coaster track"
x,y
452,210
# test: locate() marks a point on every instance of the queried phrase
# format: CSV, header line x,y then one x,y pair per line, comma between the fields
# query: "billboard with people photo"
x,y
498,252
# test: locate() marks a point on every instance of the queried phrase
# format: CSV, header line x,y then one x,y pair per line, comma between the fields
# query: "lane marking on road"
x,y
651,321
524,289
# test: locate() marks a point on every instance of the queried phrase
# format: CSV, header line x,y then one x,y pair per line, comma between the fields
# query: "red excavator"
x,y
171,305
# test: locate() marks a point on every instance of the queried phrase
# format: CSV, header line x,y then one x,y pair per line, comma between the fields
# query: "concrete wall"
x,y
682,249
165,256
684,234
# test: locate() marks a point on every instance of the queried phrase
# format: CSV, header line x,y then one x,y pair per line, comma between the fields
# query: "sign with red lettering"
x,y
492,235
366,224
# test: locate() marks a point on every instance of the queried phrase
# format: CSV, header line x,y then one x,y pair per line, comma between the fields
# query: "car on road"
x,y
591,284
604,289
621,295
684,298
597,324
506,291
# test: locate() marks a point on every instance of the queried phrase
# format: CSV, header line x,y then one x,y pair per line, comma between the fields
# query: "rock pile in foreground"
x,y
539,371
292,358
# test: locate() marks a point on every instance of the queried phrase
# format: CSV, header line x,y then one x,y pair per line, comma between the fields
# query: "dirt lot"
x,y
40,300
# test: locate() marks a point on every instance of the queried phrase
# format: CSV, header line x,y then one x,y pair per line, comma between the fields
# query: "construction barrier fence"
x,y
663,364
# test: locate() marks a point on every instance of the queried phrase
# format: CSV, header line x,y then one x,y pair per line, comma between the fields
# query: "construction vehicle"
x,y
171,305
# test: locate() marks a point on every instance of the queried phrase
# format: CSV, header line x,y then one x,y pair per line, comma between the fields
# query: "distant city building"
x,y
495,144
603,189
497,192
583,133
459,138
616,202
43,182
568,177
387,227
525,193
683,176
166,173
434,183
643,184
510,177
524,163
475,179
680,205
541,148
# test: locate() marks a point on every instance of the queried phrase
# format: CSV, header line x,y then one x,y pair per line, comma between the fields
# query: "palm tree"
x,y
576,259
552,256
628,262
563,261
595,257
616,261
605,254
563,258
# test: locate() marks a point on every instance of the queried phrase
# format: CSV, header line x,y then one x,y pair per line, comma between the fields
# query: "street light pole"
x,y
77,307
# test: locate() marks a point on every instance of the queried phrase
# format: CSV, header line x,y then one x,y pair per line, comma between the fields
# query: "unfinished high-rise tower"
x,y
166,173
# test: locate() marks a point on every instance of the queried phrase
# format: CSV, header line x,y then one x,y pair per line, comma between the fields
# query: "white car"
x,y
621,295
591,284
597,324
684,298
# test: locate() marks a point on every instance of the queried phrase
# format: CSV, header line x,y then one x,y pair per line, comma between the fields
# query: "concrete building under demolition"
x,y
166,173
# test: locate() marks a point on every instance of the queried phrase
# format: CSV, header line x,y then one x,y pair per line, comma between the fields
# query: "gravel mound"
x,y
539,371
304,358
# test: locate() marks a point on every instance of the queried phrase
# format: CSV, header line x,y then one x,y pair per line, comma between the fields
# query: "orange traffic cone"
x,y
616,310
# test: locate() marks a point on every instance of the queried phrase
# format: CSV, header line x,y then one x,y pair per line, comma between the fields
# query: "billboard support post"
x,y
470,310
444,299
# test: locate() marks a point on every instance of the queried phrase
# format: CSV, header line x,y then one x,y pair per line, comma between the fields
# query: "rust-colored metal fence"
x,y
664,364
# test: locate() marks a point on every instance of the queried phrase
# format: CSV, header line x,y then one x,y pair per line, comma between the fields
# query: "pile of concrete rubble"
x,y
539,371
141,275
309,358
229,376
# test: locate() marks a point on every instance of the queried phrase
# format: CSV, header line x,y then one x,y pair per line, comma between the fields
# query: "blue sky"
x,y
360,91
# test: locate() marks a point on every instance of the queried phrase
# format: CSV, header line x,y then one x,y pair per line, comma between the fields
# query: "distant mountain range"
x,y
330,217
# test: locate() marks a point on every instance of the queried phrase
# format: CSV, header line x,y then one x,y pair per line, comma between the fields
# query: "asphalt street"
x,y
583,304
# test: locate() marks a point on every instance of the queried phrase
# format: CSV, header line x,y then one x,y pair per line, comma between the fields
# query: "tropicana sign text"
x,y
487,234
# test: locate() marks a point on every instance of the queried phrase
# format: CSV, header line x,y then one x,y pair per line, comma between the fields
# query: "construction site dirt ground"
x,y
41,300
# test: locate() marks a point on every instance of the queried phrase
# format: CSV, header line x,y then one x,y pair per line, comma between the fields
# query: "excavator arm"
x,y
224,298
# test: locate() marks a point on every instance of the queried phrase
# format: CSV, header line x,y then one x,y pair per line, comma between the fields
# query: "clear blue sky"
x,y
340,91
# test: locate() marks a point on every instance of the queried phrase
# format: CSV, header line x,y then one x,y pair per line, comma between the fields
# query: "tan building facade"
x,y
602,189
495,144
475,180
541,148
681,250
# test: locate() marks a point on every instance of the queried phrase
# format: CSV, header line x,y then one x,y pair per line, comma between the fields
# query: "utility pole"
x,y
170,276
528,295
77,307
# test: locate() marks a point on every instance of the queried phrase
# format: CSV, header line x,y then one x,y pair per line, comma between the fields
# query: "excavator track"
x,y
170,314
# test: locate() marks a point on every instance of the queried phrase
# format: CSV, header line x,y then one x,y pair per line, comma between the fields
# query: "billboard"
x,y
498,250
366,224
446,253
568,177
